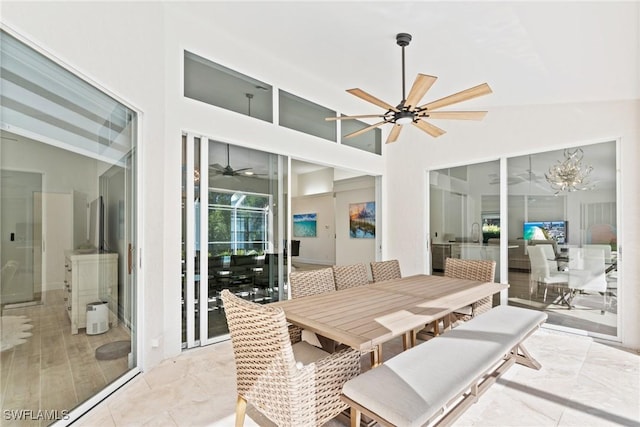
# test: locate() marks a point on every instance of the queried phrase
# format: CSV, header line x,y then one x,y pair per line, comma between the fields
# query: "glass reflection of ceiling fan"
x,y
528,177
409,111
218,169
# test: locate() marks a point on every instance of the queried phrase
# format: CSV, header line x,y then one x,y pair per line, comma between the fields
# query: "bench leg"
x,y
376,356
355,416
409,340
525,358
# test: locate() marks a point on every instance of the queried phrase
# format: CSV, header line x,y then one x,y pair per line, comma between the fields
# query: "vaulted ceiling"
x,y
529,52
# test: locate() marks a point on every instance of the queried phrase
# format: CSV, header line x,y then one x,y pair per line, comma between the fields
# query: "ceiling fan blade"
x,y
393,135
432,130
420,86
362,116
361,131
464,95
241,170
372,99
217,166
456,115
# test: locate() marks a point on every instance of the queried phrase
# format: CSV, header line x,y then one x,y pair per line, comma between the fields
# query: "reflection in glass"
x,y
562,244
237,233
69,228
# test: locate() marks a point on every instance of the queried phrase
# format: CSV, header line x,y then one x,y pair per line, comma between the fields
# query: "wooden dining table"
x,y
367,316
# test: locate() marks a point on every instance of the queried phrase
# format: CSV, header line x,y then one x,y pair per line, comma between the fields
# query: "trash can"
x,y
97,318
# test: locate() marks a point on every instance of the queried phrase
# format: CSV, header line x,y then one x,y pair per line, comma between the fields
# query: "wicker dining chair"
x,y
472,269
385,270
292,384
350,276
313,282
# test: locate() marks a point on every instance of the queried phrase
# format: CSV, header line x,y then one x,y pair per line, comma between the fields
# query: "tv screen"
x,y
546,230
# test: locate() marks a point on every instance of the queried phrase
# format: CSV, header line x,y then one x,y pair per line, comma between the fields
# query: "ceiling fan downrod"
x,y
403,40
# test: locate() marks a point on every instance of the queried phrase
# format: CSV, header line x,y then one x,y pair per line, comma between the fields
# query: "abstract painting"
x,y
362,220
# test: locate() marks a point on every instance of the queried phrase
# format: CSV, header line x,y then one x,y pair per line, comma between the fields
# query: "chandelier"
x,y
570,174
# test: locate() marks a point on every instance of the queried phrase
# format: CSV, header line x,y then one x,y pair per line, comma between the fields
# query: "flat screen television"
x,y
546,230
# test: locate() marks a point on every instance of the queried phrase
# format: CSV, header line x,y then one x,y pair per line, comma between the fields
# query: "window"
x,y
238,223
217,85
370,141
305,116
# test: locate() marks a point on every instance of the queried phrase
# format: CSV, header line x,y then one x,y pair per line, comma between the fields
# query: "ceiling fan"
x,y
409,110
218,169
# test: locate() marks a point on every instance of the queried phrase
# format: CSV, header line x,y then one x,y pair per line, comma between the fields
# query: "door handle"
x,y
129,259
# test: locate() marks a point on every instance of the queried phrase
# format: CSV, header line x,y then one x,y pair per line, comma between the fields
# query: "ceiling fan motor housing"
x,y
403,39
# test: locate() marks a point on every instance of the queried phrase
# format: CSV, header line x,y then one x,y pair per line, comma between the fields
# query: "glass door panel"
x,y
68,200
238,239
572,275
465,214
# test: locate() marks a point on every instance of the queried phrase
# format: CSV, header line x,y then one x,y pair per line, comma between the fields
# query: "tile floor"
x,y
582,383
54,369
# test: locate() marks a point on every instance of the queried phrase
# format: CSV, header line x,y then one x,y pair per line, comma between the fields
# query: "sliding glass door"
x,y
234,229
563,231
465,214
68,208
552,219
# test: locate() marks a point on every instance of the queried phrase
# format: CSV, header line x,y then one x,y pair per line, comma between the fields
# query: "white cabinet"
x,y
90,278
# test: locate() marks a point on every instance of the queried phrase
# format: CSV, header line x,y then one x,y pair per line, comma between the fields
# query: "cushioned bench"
x,y
434,382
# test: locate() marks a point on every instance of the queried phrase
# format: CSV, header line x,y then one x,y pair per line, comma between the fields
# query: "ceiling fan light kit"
x,y
408,111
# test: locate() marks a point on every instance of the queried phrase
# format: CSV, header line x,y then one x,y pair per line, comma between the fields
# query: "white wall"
x,y
322,248
351,250
317,182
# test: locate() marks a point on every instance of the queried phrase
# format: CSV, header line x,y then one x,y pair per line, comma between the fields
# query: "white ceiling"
x,y
538,52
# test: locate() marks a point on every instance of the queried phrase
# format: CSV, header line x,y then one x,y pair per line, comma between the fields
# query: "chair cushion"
x,y
306,353
467,311
311,338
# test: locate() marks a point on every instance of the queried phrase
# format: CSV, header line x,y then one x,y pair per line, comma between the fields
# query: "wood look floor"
x,y
54,370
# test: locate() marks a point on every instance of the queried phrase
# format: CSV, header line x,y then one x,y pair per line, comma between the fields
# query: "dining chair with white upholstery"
x,y
385,270
350,276
587,273
550,256
605,248
292,384
542,274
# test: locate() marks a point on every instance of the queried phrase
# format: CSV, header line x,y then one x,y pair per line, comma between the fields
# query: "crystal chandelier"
x,y
569,174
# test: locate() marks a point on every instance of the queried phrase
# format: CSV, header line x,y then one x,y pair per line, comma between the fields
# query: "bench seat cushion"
x,y
413,386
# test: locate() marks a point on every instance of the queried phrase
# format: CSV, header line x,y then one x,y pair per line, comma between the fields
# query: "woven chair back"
x,y
266,372
385,270
350,276
473,269
311,282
